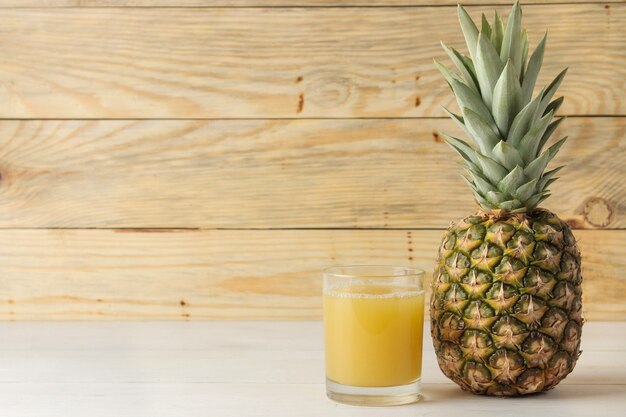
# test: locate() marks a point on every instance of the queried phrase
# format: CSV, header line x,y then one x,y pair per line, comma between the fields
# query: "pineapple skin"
x,y
506,304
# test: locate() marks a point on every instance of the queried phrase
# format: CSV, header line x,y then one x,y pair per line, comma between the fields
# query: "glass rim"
x,y
410,271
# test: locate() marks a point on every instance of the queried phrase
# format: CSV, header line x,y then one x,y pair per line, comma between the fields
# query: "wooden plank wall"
x,y
200,159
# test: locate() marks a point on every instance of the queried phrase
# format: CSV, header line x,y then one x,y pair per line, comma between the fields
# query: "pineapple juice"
x,y
373,334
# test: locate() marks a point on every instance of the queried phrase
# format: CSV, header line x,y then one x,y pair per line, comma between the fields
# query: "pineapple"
x,y
506,306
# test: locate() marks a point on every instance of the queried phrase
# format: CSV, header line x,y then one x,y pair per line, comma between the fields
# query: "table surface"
x,y
237,368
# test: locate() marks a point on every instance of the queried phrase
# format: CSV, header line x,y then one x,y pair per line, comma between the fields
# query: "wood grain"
x,y
277,174
277,62
191,275
266,3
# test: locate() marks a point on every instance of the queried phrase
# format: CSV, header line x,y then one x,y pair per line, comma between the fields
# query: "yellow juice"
x,y
373,335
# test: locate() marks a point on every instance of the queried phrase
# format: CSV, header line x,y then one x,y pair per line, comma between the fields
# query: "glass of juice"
x,y
373,325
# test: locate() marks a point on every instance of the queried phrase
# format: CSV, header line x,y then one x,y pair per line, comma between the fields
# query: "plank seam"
x,y
89,119
286,6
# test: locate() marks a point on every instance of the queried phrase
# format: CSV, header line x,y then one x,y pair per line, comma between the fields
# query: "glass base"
x,y
373,396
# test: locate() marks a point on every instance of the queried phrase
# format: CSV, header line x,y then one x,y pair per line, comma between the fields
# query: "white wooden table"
x,y
241,369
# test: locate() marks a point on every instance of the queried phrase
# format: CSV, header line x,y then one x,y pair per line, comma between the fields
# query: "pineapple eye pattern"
x,y
507,319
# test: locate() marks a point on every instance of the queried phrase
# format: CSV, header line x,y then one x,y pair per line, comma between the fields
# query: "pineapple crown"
x,y
508,126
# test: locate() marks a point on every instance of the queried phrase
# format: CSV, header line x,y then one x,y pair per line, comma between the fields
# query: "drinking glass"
x,y
373,327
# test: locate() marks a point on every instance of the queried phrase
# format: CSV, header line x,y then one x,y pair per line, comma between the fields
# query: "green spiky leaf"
x,y
530,142
532,71
481,183
510,205
511,45
463,66
532,202
509,127
548,178
537,166
497,32
492,170
506,98
483,134
485,27
554,105
551,89
495,197
523,120
507,155
543,198
554,149
483,203
512,180
470,183
546,135
524,41
525,191
466,97
458,120
447,74
548,182
470,31
462,148
488,67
